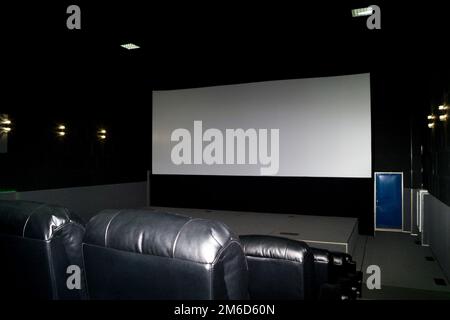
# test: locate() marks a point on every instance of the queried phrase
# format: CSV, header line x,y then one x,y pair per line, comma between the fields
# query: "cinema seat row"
x,y
149,254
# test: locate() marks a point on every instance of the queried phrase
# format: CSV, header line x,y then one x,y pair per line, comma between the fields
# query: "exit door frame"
x,y
375,203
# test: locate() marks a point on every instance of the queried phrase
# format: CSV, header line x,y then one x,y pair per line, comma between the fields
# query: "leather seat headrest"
x,y
321,255
340,258
274,247
153,232
34,220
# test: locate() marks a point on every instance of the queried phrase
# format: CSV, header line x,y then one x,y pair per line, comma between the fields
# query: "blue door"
x,y
389,202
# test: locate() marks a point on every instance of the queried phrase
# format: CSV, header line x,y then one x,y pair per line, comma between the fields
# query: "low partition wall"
x,y
87,201
407,209
437,230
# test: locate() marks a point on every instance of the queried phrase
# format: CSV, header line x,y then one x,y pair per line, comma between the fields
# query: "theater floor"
x,y
406,269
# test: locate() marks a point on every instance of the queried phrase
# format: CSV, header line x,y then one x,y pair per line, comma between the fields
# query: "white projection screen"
x,y
312,127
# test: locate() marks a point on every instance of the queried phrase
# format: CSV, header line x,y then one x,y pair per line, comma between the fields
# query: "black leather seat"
x,y
343,262
335,275
149,254
279,268
322,272
38,242
344,270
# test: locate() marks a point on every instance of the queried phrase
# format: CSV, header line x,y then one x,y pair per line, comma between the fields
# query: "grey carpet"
x,y
405,273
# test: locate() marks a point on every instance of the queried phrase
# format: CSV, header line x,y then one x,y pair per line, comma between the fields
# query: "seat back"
x,y
38,242
322,268
344,270
279,268
342,264
149,254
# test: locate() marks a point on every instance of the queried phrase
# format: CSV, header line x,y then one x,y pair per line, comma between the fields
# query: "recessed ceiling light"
x,y
362,12
130,46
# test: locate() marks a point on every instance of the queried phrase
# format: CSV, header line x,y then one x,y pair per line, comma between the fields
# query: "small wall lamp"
x,y
5,124
61,130
101,134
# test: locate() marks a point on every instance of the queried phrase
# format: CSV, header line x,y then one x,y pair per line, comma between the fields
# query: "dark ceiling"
x,y
203,44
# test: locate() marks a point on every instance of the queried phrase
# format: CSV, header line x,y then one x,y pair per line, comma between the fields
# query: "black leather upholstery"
x,y
322,269
149,254
37,243
279,268
335,275
344,272
343,262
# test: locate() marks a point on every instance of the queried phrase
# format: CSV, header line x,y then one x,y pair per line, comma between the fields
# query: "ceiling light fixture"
x,y
362,12
129,46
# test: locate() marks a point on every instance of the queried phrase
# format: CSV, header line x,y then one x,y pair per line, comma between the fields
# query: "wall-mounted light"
x,y
101,134
443,117
60,130
5,124
443,107
431,125
431,117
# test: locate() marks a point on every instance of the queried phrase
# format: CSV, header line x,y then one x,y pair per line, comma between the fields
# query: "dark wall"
x,y
397,123
436,155
81,78
89,96
315,196
38,159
